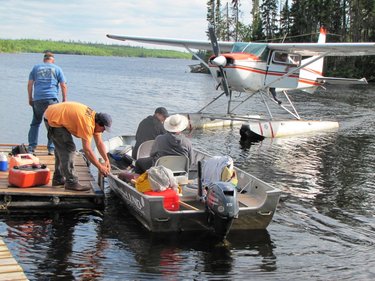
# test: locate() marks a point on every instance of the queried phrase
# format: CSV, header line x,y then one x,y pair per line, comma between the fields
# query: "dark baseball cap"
x,y
104,119
48,55
162,111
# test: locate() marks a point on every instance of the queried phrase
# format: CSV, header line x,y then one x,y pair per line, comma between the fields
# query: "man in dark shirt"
x,y
150,128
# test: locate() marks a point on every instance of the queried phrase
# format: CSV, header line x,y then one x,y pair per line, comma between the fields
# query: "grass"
x,y
80,48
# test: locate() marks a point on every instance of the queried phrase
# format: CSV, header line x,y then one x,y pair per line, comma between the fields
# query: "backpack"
x,y
120,158
19,149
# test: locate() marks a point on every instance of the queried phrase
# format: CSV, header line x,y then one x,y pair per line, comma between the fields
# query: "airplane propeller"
x,y
219,60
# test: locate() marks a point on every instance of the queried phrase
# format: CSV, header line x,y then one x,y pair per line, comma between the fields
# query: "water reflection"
x,y
257,243
187,255
325,218
52,246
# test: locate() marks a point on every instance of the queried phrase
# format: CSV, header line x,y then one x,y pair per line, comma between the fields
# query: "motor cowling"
x,y
222,206
219,61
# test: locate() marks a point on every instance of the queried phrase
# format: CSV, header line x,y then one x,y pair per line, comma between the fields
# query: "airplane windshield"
x,y
257,49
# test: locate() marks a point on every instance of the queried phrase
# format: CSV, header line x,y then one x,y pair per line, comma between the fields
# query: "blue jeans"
x,y
39,106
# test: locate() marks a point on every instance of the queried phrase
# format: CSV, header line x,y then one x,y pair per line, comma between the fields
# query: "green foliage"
x,y
78,48
268,11
300,21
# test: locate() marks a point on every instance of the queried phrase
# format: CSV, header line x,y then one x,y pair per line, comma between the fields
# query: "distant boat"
x,y
199,68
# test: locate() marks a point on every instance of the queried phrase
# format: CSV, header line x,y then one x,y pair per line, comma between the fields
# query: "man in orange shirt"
x,y
72,118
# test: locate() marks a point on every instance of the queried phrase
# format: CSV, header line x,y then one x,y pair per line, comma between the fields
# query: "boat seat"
x,y
144,149
179,164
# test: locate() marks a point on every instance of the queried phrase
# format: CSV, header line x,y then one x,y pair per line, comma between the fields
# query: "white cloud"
x,y
90,21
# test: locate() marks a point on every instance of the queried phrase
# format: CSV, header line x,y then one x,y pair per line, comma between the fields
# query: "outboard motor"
x,y
222,206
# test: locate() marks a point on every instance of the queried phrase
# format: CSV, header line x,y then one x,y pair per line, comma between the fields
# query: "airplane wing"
x,y
304,49
185,43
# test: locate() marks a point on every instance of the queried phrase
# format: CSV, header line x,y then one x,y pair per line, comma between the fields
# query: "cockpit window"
x,y
257,49
286,58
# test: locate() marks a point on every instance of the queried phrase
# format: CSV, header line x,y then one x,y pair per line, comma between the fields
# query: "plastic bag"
x,y
161,178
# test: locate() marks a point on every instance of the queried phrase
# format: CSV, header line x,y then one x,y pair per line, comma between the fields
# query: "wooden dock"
x,y
9,268
49,197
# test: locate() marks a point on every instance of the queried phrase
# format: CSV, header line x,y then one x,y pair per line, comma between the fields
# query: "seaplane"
x,y
267,70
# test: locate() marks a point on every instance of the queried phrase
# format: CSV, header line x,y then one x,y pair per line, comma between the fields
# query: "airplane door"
x,y
281,63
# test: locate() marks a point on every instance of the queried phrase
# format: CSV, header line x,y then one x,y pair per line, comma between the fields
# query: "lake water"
x,y
324,227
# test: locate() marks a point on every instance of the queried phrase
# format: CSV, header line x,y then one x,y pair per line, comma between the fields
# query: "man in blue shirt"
x,y
45,79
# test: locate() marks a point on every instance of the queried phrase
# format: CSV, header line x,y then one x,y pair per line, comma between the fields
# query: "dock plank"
x,y
8,261
9,268
13,276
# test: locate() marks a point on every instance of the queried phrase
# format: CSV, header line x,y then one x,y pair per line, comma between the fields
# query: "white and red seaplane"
x,y
264,69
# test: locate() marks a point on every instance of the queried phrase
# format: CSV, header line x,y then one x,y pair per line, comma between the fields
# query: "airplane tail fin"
x,y
310,74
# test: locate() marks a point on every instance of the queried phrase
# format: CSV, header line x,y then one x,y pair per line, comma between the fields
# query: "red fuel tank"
x,y
29,175
171,199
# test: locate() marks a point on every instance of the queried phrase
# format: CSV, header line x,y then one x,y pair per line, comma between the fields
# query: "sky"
x,y
91,20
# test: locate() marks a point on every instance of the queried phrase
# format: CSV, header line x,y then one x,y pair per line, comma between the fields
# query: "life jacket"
x,y
229,175
142,184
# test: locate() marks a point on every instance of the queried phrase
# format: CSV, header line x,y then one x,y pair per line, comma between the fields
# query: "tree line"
x,y
81,48
300,21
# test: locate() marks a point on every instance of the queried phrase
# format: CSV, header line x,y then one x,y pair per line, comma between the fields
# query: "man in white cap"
x,y
72,118
174,142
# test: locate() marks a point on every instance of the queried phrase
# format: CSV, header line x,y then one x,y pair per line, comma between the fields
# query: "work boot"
x,y
56,182
76,187
31,150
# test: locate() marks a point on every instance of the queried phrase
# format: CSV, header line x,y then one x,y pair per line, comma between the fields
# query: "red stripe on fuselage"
x,y
272,134
257,70
261,129
309,82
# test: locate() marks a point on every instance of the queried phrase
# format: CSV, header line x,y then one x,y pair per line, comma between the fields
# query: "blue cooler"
x,y
3,162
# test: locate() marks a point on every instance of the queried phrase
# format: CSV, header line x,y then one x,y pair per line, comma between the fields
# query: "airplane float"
x,y
264,69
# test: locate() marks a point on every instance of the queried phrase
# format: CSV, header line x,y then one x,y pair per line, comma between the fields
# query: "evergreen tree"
x,y
345,20
285,20
257,28
235,18
298,19
218,22
268,11
210,11
210,14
